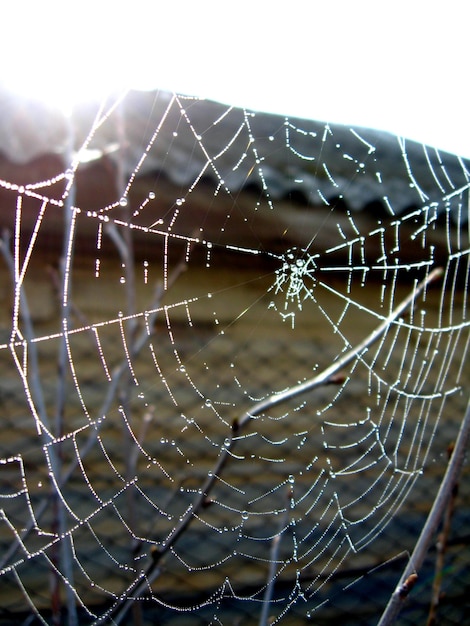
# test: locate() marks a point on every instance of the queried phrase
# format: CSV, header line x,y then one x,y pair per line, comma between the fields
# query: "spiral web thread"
x,y
234,261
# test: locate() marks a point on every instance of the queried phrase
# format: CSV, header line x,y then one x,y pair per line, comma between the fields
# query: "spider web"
x,y
165,448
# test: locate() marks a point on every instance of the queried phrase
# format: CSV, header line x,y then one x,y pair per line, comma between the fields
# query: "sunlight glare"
x,y
57,58
331,61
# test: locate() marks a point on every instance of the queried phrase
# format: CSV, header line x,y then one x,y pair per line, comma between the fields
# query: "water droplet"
x,y
151,195
122,280
208,403
245,515
291,479
123,202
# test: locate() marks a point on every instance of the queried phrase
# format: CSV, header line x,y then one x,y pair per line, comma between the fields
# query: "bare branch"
x,y
273,567
328,376
140,341
442,541
435,515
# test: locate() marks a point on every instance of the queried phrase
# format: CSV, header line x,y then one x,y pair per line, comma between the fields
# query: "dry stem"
x,y
328,376
35,384
442,540
435,515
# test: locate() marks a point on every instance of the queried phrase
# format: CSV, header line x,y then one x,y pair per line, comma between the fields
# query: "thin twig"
x,y
273,563
442,542
125,245
148,418
64,552
450,479
36,397
32,382
327,377
117,373
57,287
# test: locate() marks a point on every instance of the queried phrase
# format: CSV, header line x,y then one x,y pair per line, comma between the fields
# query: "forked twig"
x,y
140,341
327,377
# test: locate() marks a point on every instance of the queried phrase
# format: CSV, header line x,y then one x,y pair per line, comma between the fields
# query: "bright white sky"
x,y
400,66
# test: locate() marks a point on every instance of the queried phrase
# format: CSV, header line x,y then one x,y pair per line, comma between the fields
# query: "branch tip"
x,y
336,379
156,554
436,274
408,585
